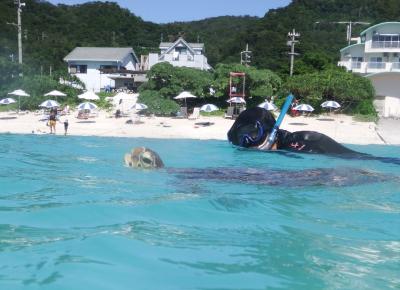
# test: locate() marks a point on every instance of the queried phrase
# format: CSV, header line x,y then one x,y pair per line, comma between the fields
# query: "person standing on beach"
x,y
52,122
65,127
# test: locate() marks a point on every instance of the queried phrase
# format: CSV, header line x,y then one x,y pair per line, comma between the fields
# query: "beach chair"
x,y
195,115
229,113
82,115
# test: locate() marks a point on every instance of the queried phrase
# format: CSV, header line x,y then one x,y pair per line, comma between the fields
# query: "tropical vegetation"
x,y
51,31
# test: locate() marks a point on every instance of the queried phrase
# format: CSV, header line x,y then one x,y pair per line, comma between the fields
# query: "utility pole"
x,y
292,35
19,24
19,27
245,56
350,27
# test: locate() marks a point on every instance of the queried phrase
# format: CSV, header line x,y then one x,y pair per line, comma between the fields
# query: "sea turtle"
x,y
145,158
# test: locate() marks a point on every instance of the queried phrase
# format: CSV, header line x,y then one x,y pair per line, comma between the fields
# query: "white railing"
x,y
356,65
377,65
396,66
385,44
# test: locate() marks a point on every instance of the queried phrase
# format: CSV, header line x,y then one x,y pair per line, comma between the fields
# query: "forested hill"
x,y
318,40
51,31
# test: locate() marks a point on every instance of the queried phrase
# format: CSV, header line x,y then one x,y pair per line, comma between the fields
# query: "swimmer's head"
x,y
251,128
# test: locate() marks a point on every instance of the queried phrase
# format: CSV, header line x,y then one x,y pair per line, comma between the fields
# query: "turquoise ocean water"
x,y
73,217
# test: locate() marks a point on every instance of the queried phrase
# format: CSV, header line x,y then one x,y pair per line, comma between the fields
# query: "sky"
x,y
164,11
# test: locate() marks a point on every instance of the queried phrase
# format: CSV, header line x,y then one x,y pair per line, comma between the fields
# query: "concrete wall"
x,y
387,85
92,79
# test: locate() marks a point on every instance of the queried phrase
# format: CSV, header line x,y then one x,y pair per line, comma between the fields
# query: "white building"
x,y
105,67
376,55
180,53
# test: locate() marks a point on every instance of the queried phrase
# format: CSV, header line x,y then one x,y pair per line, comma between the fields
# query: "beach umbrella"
x,y
304,108
55,93
236,100
185,95
19,93
86,106
7,101
49,104
209,108
89,95
268,106
330,105
139,107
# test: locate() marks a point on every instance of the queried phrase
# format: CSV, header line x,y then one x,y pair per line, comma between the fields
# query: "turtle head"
x,y
142,157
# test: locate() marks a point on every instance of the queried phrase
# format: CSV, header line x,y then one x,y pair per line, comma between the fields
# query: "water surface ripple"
x,y
73,217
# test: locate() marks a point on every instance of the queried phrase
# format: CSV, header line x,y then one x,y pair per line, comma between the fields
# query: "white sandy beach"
x,y
339,127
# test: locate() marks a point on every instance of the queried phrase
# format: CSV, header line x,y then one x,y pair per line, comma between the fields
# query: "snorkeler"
x,y
253,127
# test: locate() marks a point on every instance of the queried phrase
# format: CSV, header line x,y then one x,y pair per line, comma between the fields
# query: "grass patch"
x,y
218,113
11,107
365,118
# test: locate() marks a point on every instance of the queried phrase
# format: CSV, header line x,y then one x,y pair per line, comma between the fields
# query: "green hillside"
x,y
51,31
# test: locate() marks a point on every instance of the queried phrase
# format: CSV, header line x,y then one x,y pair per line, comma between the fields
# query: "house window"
x,y
78,69
385,41
376,59
181,50
108,67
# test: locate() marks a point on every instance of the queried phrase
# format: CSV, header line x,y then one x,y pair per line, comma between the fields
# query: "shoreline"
x,y
341,128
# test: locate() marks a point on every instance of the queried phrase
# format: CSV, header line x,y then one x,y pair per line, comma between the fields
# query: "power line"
x,y
349,27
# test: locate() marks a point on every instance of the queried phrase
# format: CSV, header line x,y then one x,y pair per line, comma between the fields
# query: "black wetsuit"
x,y
311,142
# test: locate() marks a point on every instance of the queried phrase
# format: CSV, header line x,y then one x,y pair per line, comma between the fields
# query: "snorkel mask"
x,y
248,140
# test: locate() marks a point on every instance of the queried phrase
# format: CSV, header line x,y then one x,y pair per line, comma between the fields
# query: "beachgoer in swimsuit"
x,y
52,122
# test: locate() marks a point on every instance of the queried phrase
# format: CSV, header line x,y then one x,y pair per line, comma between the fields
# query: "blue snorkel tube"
x,y
272,136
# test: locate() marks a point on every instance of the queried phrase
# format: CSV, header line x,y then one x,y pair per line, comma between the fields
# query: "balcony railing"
x,y
377,65
356,65
396,66
386,44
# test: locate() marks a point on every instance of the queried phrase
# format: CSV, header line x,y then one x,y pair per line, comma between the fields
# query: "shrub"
x,y
157,104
